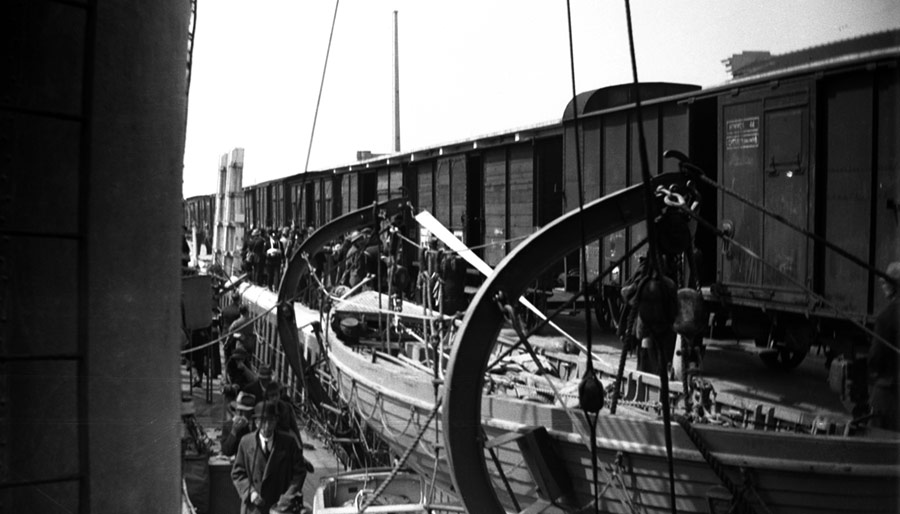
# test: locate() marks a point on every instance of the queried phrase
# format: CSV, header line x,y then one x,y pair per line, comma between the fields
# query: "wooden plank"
x,y
537,507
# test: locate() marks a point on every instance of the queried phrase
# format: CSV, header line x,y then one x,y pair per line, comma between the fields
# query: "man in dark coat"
x,y
256,257
258,387
238,374
232,311
268,465
234,429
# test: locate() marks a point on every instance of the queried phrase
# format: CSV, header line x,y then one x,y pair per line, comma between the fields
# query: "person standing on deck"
x,y
232,311
269,465
244,326
884,362
258,388
287,421
274,258
257,256
238,375
234,429
287,244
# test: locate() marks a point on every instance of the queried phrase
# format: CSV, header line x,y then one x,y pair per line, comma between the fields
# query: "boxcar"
x,y
609,155
816,144
199,213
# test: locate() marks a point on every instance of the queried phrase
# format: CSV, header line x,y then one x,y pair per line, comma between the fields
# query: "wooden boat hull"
x,y
544,456
396,402
771,471
789,472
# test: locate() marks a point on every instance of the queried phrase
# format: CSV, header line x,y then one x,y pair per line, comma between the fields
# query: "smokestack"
x,y
396,88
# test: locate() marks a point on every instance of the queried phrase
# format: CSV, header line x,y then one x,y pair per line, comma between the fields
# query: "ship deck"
x,y
735,369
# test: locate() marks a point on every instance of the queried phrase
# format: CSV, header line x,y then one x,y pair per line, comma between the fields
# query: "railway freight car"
x,y
810,141
490,190
308,199
198,214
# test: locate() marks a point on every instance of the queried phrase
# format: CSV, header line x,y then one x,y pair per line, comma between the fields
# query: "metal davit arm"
x,y
483,321
297,267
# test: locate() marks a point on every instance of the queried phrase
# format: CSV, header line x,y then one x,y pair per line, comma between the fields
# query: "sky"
x,y
467,67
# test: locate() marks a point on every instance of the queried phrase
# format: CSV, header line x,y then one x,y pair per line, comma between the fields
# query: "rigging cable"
x,y
321,86
590,390
697,173
771,267
652,259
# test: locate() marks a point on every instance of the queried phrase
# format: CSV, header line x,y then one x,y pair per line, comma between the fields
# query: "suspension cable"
x,y
840,312
653,262
778,217
238,329
589,380
321,86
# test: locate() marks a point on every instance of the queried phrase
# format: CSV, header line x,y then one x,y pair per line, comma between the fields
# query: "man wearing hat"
x,y
240,425
238,374
883,362
258,387
244,325
256,254
268,466
287,422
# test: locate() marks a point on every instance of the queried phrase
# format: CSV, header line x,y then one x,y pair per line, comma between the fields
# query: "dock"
x,y
221,497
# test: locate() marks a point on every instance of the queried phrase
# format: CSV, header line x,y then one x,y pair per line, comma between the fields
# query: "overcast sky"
x,y
467,67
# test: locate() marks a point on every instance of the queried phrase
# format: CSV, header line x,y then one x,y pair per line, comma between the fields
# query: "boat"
x,y
776,463
375,490
497,443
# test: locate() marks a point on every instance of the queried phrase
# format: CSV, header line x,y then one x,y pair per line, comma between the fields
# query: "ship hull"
x,y
784,472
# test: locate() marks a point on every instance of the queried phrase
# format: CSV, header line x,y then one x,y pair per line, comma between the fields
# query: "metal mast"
x,y
396,89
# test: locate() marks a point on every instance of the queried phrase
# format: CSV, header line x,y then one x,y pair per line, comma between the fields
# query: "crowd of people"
x,y
261,433
265,252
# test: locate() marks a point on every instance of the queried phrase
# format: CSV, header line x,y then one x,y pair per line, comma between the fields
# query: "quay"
x,y
218,495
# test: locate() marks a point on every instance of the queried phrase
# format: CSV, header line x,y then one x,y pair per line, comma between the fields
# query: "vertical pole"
x,y
396,88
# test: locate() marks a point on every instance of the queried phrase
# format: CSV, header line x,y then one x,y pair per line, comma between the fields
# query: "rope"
x,y
875,337
403,459
616,469
321,85
717,467
571,301
227,335
589,441
384,424
354,391
653,260
498,242
815,237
